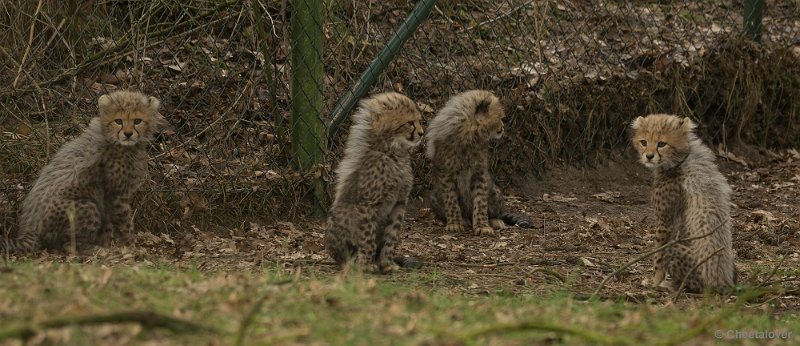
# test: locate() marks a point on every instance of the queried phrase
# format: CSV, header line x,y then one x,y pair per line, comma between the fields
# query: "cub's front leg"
x,y
390,238
119,221
658,258
366,239
480,209
452,210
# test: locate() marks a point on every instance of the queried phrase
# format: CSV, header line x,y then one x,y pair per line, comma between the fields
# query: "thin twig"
x,y
490,21
492,265
146,319
117,47
250,317
774,271
648,254
582,333
494,275
700,329
691,272
30,43
552,273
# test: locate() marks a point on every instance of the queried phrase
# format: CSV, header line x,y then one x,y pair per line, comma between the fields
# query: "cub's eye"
x,y
137,121
643,143
661,144
410,123
118,121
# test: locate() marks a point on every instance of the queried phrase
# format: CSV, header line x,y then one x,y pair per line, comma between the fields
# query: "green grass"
x,y
313,307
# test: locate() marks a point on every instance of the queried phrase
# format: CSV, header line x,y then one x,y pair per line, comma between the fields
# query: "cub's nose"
x,y
128,134
649,156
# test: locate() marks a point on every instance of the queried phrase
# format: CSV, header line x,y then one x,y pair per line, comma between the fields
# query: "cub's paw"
x,y
497,223
371,268
658,277
483,230
388,268
408,262
454,227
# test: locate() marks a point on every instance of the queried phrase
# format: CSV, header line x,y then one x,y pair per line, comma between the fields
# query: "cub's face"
x,y
129,118
409,133
661,140
487,119
490,117
396,118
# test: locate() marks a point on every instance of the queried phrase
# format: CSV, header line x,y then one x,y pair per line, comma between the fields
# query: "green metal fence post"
x,y
348,101
753,13
308,128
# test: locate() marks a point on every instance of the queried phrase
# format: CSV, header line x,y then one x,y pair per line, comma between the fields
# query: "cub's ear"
x,y
103,102
636,123
153,103
162,125
687,124
483,106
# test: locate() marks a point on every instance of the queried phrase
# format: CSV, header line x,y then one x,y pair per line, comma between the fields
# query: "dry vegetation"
x,y
223,198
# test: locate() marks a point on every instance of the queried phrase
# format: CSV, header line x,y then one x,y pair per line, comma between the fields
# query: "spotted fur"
x,y
87,186
691,198
463,191
373,182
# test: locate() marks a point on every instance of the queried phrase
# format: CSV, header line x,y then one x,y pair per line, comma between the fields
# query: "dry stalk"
x,y
146,319
648,254
73,246
30,43
691,272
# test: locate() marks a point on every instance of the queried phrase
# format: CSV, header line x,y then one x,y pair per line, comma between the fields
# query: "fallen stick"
x,y
646,255
147,319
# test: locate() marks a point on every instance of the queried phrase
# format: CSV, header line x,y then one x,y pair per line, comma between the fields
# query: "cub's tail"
x,y
21,244
408,262
519,220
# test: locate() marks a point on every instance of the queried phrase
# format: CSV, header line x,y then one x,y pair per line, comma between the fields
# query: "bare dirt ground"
x,y
587,223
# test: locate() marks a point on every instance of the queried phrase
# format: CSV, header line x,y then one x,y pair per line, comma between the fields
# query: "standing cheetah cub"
x,y
691,198
373,181
89,182
458,139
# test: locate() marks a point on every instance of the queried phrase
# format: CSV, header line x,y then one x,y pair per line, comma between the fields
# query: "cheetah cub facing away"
x,y
691,199
91,179
458,139
373,181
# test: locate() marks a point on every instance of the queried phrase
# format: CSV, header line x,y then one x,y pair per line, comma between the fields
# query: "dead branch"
x,y
492,265
681,338
30,43
691,272
648,254
582,333
552,273
116,48
147,319
250,317
774,271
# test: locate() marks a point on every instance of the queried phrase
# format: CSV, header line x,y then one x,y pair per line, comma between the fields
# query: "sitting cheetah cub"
x,y
458,139
91,179
373,181
691,198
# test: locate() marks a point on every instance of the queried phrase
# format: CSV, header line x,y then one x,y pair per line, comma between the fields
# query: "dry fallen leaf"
x,y
730,156
557,198
607,196
587,262
763,215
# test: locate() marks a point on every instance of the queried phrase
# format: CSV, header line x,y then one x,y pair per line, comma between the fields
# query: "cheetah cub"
x,y
691,198
457,144
373,181
89,182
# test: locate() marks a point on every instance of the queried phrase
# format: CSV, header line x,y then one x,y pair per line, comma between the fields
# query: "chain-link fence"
x,y
571,74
